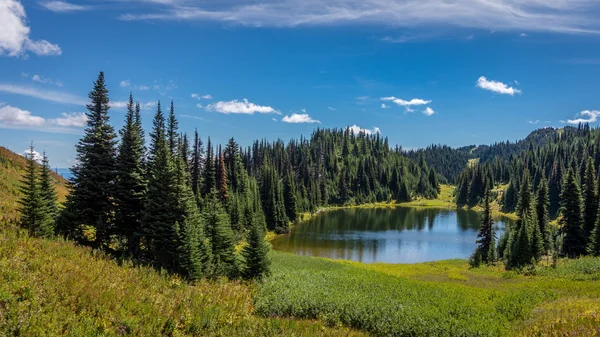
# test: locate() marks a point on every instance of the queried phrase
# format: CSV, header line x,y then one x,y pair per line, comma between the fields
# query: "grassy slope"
x,y
12,167
443,298
58,289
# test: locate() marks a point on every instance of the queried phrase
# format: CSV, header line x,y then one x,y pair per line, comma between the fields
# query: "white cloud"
x,y
63,7
14,33
497,87
73,119
200,106
240,107
357,129
428,111
383,106
406,104
299,118
48,95
330,108
197,96
565,16
586,116
125,84
38,157
123,105
534,122
40,79
192,117
164,88
142,87
13,117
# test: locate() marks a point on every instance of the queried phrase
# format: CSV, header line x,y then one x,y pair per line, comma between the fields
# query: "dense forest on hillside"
x,y
183,205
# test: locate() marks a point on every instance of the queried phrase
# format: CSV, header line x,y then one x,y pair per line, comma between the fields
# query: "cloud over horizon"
x,y
497,87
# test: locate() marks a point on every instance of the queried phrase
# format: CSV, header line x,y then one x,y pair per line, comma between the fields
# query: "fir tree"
x,y
433,181
255,253
590,199
47,190
594,245
219,234
161,217
94,175
222,182
130,187
289,197
486,238
196,164
209,171
571,221
172,130
525,202
542,203
34,210
404,193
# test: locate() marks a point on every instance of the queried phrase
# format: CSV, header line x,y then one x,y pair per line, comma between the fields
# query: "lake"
x,y
390,235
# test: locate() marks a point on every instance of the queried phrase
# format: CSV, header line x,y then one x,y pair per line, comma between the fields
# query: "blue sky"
x,y
418,71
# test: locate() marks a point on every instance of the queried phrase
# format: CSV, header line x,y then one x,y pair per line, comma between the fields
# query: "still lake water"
x,y
390,235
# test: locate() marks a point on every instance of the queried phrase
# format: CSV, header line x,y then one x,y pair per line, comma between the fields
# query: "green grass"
x,y
54,288
443,298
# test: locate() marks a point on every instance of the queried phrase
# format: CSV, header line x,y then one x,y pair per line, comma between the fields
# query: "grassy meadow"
x,y
444,298
54,288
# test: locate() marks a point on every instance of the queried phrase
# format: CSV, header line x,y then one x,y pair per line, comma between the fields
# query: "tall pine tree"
x,y
571,221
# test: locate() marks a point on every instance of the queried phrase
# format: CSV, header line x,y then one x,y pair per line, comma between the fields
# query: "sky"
x,y
419,72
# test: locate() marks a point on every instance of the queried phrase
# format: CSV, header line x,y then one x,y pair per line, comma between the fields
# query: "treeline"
x,y
183,205
556,178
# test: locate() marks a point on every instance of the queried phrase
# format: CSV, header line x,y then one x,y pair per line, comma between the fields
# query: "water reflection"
x,y
391,235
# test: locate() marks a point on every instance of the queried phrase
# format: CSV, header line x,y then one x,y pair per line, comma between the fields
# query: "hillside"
x,y
12,166
55,288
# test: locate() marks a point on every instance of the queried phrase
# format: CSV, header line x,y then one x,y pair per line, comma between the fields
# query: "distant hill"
x,y
449,162
12,166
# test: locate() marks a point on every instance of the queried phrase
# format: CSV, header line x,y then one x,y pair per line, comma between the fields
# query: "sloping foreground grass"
x,y
54,288
436,299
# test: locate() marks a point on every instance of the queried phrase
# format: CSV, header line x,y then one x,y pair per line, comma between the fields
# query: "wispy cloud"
x,y
240,107
48,95
497,87
127,84
564,16
14,39
330,108
586,116
357,129
362,98
198,96
123,105
162,88
15,118
299,118
63,7
537,121
404,103
192,117
45,80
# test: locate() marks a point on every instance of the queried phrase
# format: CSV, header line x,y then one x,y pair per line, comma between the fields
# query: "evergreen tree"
x,y
486,238
255,253
542,203
594,245
161,226
222,182
404,194
220,236
571,221
47,190
289,197
433,181
35,214
196,164
525,202
590,199
209,171
94,175
130,185
172,130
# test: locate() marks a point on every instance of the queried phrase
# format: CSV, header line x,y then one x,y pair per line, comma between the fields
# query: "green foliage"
x,y
94,175
36,214
486,237
218,231
571,221
255,253
130,185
